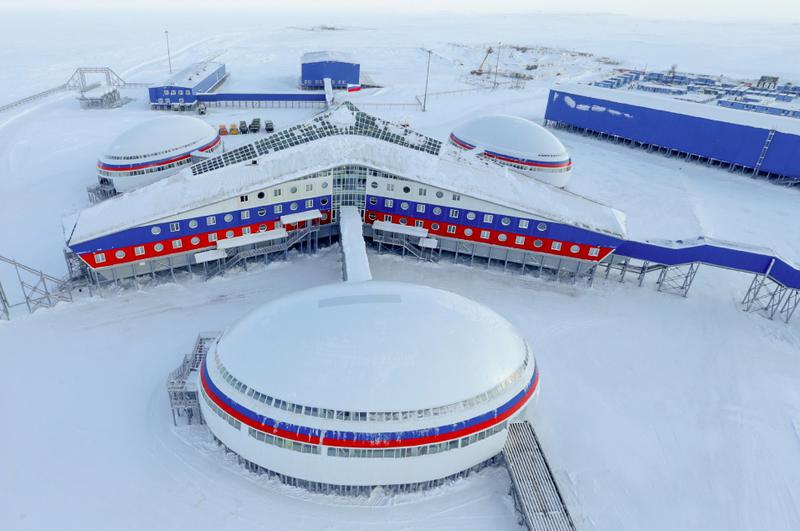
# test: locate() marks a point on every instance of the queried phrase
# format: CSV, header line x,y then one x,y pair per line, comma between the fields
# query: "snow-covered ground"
x,y
656,412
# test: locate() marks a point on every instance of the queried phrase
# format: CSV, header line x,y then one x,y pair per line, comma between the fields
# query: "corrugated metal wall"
x,y
722,141
312,74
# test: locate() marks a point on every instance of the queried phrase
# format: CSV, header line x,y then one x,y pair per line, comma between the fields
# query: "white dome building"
x,y
153,150
517,143
345,387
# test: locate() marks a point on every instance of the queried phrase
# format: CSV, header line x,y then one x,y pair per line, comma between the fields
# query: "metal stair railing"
x,y
293,238
44,291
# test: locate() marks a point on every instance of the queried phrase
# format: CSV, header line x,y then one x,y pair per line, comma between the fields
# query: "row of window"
x,y
456,213
151,169
277,192
216,409
148,155
374,416
487,235
280,442
210,221
178,92
523,167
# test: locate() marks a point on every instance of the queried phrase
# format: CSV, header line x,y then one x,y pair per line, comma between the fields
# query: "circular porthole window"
x,y
262,228
440,194
323,201
406,189
502,237
158,247
228,218
542,226
120,254
403,221
155,230
434,226
467,232
471,216
373,200
195,240
293,189
229,234
293,206
574,249
437,210
404,205
372,216
192,223
261,195
537,243
262,212
374,184
324,184
506,221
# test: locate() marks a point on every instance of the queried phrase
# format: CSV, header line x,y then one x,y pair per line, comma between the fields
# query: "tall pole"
x,y
497,64
169,57
427,76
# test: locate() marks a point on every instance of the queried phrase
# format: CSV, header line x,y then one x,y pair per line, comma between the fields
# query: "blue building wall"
x,y
256,96
185,94
722,141
341,73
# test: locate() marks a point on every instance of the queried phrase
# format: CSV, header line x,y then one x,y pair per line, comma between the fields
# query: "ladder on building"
x,y
183,394
533,486
763,154
39,289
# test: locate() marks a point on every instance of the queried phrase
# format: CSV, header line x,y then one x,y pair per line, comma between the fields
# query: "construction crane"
x,y
479,71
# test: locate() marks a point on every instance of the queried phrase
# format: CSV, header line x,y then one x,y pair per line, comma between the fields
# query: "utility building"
x,y
340,67
180,90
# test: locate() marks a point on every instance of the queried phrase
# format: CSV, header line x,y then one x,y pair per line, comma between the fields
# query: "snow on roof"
x,y
316,57
669,104
159,136
450,170
510,135
356,263
192,74
388,346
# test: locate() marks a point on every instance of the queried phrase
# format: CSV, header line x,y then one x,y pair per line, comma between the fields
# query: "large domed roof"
x,y
160,136
511,136
372,346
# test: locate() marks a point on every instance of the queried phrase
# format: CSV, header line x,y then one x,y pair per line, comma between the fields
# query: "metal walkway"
x,y
183,397
533,486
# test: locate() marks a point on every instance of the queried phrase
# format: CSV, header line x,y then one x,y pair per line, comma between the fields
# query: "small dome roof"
x,y
161,136
372,346
511,136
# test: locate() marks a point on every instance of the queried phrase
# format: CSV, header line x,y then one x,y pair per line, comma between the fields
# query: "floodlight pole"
x,y
427,75
169,57
497,63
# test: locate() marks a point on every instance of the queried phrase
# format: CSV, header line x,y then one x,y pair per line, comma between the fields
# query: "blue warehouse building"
x,y
341,68
180,90
759,143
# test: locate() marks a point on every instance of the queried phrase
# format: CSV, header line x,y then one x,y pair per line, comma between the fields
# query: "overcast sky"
x,y
786,10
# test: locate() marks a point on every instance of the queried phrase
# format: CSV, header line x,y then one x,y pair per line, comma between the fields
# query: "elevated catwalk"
x,y
535,491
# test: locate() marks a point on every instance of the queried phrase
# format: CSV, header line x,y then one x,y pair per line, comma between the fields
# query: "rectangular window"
x,y
487,218
174,227
211,220
390,187
276,192
243,198
523,223
278,209
139,250
456,197
387,217
519,240
309,187
309,203
485,234
421,208
419,223
246,230
388,203
99,258
451,229
212,237
556,246
594,251
245,214
423,191
453,213
177,244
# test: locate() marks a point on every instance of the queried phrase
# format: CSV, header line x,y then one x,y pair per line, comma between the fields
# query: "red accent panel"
x,y
527,245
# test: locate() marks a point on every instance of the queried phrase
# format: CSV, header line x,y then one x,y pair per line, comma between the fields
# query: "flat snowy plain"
x,y
656,412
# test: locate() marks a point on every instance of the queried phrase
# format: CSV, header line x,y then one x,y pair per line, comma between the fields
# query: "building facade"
x,y
341,68
180,91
